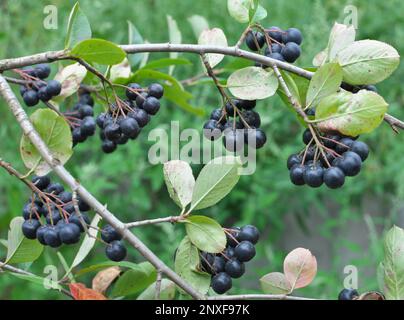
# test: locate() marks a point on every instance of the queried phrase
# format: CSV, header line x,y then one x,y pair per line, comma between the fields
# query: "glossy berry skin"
x,y
307,136
65,196
297,175
41,182
217,115
293,160
218,265
113,132
291,52
331,140
230,111
344,145
255,138
314,176
348,294
140,99
42,71
221,283
233,140
232,237
141,116
277,56
88,126
77,135
108,146
249,233
293,35
229,253
55,188
275,33
30,227
116,251
86,111
30,98
252,118
53,88
69,233
244,251
85,99
31,211
109,234
156,90
212,130
83,206
151,105
131,95
40,234
43,94
51,237
247,104
75,219
361,149
334,178
255,40
275,48
130,127
234,268
350,164
53,217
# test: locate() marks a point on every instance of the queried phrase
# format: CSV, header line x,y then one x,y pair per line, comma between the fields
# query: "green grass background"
x,y
341,228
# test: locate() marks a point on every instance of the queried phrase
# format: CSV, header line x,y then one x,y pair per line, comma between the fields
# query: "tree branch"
x,y
69,180
136,224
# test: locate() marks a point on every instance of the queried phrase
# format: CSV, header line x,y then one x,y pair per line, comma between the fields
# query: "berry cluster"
x,y
81,118
37,89
127,117
281,45
115,249
50,215
237,133
343,157
230,263
348,294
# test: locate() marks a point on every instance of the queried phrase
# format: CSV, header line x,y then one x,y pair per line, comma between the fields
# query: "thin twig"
x,y
136,224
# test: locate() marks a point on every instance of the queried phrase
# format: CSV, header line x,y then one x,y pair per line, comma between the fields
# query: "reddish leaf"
x,y
80,292
300,268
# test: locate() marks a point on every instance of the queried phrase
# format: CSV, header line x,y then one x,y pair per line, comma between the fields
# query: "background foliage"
x,y
340,227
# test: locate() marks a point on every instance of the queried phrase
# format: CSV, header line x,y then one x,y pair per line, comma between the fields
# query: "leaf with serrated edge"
x,y
394,264
213,37
300,268
180,182
275,283
167,291
253,83
206,234
368,62
186,262
351,114
326,81
70,78
215,181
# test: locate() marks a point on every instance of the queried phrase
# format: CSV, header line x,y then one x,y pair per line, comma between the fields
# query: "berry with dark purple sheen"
x,y
311,112
348,294
133,91
233,140
51,237
40,234
23,89
83,205
229,253
276,56
334,178
255,138
156,90
293,35
275,48
234,268
31,211
41,182
101,119
255,40
55,188
314,175
141,116
78,136
230,111
30,227
249,233
30,98
113,132
221,283
53,217
291,52
331,141
88,126
65,196
108,146
350,163
87,99
252,118
42,71
212,130
361,149
69,233
276,33
140,99
79,220
109,234
307,136
54,88
344,145
123,140
293,160
151,105
44,95
130,127
247,104
231,237
116,251
297,174
218,264
244,251
85,111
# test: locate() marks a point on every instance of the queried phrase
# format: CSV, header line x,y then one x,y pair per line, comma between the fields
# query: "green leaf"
x,y
394,264
341,37
368,62
206,234
351,114
175,38
55,132
187,261
213,37
326,81
70,78
256,12
134,280
135,38
166,62
107,264
98,51
198,24
167,291
215,181
78,27
21,249
275,283
245,11
180,182
38,280
253,83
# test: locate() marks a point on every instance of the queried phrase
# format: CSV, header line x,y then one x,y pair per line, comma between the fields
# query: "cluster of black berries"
x,y
238,123
284,45
230,263
348,294
81,118
127,117
343,157
115,250
50,215
38,89
356,89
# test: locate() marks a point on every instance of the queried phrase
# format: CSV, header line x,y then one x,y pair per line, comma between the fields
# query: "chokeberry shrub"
x,y
99,85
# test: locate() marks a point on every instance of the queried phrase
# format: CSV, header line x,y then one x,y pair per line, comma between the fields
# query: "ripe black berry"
x,y
255,40
53,88
55,188
291,52
218,265
348,294
141,116
30,227
244,251
113,132
221,283
65,196
234,268
307,136
293,160
314,175
140,99
233,140
248,233
130,127
151,105
79,220
156,90
229,253
212,130
350,164
85,111
83,206
334,178
109,234
41,182
275,33
85,99
31,98
40,234
297,174
252,118
255,138
361,149
51,237
69,233
116,251
232,237
108,146
247,104
44,95
277,56
53,217
42,71
344,145
293,35
132,95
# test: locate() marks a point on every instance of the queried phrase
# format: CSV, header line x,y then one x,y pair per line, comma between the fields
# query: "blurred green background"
x,y
341,228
